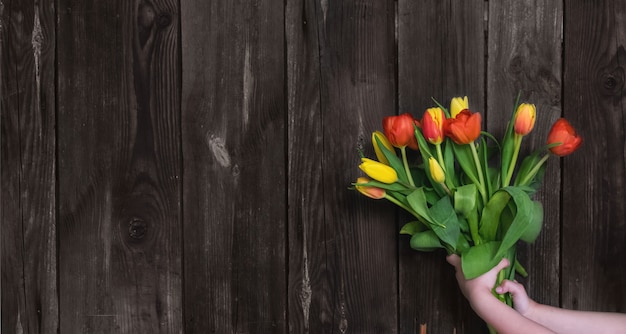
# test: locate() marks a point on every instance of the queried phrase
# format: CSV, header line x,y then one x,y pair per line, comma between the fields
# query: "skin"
x,y
528,315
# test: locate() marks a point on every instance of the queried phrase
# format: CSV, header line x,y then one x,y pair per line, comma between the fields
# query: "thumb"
x,y
454,260
503,264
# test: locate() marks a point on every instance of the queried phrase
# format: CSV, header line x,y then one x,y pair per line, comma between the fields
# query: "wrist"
x,y
481,300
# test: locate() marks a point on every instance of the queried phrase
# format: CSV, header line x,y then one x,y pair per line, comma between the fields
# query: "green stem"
x,y
534,171
406,166
498,282
509,174
479,169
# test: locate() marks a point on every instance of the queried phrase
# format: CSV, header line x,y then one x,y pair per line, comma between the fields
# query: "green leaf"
x,y
448,157
462,245
490,219
424,148
425,241
480,259
417,202
465,159
412,227
394,161
484,155
508,143
523,218
534,227
387,186
520,269
446,222
465,199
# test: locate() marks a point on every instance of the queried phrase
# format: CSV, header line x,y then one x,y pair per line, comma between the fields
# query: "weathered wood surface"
x,y
173,167
341,83
594,179
27,168
119,174
234,189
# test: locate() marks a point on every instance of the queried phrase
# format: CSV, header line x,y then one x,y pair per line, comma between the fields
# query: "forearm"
x,y
570,321
504,319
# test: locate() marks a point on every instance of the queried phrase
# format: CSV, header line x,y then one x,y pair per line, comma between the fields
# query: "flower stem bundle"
x,y
467,191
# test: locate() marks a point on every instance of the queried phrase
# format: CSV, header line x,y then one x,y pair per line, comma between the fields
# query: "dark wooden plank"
x,y
525,57
119,167
342,255
441,52
234,165
594,179
27,164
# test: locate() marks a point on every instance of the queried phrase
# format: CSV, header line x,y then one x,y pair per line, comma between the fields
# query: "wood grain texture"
x,y
342,267
234,164
594,179
27,164
441,54
525,39
119,167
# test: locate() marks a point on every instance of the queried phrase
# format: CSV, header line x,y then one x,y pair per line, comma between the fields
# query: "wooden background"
x,y
183,166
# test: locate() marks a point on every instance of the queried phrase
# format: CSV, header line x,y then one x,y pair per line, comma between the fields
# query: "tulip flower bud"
x,y
371,192
379,153
400,130
432,125
436,172
524,119
464,128
562,132
378,171
457,105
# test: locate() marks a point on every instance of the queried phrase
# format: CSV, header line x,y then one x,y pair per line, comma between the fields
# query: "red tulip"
x,y
432,125
464,128
400,130
562,132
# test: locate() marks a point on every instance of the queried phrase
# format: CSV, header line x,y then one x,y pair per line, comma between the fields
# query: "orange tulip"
x,y
524,119
371,192
400,131
464,128
562,132
432,125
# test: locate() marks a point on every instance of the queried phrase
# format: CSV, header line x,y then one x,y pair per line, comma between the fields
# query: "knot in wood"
x,y
164,20
146,15
137,229
612,83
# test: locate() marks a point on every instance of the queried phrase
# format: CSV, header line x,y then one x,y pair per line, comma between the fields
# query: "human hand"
x,y
476,288
521,302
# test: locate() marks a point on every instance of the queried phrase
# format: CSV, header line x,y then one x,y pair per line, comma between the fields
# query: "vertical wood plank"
x,y
342,267
119,167
234,165
27,165
309,294
594,179
524,53
441,52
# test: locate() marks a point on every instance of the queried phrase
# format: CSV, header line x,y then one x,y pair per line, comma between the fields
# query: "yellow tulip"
x,y
436,171
371,192
525,118
379,153
457,105
378,171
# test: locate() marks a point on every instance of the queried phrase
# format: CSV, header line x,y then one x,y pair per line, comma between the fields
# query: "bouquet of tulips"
x,y
467,193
